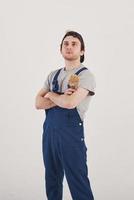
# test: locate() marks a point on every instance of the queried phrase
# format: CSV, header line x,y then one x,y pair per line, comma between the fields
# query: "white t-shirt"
x,y
87,81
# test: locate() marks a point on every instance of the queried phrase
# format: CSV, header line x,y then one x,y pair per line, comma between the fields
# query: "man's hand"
x,y
47,95
69,91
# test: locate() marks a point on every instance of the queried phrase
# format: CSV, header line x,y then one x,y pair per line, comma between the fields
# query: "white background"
x,y
30,36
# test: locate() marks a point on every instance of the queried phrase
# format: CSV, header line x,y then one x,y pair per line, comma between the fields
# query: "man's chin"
x,y
69,58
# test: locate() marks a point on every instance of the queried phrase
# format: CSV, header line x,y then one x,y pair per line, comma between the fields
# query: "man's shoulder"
x,y
87,72
52,73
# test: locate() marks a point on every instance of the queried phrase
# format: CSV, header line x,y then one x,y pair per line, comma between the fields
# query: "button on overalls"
x,y
64,151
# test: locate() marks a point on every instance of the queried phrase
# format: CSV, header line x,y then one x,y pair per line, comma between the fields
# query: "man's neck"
x,y
69,65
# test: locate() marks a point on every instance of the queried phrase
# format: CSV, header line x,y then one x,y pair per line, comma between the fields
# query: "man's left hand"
x,y
47,95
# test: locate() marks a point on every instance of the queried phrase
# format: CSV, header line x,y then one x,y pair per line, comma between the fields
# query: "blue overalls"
x,y
64,151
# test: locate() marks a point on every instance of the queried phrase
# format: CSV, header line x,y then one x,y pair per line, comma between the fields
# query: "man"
x,y
63,144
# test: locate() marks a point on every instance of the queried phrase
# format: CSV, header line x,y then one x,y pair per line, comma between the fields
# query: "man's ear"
x,y
82,52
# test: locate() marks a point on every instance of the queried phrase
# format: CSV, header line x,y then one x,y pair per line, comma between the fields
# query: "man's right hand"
x,y
69,91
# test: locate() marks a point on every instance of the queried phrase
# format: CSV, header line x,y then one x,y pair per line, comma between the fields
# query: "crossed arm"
x,y
46,99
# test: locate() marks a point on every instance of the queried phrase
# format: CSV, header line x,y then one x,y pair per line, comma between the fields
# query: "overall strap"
x,y
56,75
55,81
84,68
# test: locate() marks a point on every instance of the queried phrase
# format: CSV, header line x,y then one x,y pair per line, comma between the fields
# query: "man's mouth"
x,y
68,52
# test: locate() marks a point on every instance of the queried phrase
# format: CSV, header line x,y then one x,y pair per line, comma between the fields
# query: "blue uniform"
x,y
64,152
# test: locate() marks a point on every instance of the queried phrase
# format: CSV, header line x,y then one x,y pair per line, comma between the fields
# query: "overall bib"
x,y
64,151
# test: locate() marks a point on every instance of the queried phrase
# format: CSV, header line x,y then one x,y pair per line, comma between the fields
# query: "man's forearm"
x,y
64,101
44,103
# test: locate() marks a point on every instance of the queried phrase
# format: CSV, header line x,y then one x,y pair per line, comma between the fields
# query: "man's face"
x,y
71,48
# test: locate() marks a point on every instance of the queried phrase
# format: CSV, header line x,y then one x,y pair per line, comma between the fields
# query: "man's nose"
x,y
69,46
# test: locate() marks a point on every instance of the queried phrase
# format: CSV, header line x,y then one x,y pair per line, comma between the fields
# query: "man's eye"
x,y
65,44
74,44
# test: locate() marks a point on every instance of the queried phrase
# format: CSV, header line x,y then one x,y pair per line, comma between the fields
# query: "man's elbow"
x,y
37,106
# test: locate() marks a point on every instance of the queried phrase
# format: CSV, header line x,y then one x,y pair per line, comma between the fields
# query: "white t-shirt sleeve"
x,y
87,81
46,84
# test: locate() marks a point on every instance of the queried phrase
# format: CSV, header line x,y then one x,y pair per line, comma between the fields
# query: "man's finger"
x,y
71,89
